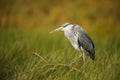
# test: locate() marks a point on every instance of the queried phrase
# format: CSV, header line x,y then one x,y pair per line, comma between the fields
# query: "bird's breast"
x,y
73,39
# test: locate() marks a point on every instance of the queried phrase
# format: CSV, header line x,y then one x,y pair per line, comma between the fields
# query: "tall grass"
x,y
18,62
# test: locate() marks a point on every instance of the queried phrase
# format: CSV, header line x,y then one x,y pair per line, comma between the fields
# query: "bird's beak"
x,y
60,28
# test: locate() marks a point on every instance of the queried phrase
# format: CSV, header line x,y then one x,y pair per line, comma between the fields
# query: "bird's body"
x,y
72,37
79,39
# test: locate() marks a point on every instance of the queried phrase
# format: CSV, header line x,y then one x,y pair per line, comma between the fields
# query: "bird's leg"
x,y
75,60
83,54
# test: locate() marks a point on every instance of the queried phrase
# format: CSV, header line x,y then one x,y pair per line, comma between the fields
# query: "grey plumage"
x,y
85,41
78,38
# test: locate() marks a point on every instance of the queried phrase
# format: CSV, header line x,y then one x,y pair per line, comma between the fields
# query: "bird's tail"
x,y
92,55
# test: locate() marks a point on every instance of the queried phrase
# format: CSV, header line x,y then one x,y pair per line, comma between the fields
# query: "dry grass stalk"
x,y
36,54
55,65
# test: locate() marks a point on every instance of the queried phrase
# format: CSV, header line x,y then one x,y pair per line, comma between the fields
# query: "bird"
x,y
79,39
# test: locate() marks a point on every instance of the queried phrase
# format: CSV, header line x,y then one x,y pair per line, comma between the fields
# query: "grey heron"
x,y
79,39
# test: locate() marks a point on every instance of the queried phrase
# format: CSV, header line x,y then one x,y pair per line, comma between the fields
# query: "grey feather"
x,y
85,41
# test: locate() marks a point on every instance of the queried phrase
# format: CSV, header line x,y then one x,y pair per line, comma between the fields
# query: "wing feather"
x,y
85,41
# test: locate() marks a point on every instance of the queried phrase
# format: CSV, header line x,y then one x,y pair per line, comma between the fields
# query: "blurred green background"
x,y
25,27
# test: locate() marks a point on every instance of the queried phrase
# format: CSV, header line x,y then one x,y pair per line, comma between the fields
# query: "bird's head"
x,y
65,26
